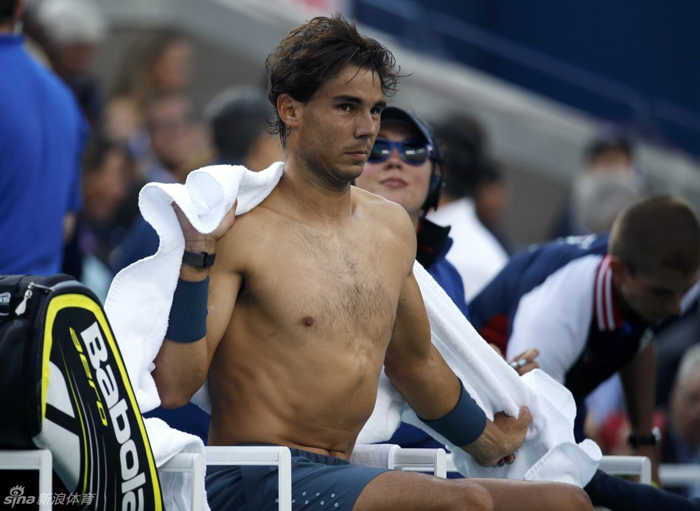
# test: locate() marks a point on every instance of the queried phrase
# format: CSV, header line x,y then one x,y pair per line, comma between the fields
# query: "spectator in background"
x,y
476,253
682,442
672,342
590,305
106,178
491,201
238,118
72,31
608,182
176,146
410,174
174,140
42,133
678,427
156,64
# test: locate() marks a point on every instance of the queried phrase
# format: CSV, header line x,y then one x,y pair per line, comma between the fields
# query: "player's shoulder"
x,y
388,216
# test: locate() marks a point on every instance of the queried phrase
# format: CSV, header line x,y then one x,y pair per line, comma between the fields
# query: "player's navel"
x,y
307,321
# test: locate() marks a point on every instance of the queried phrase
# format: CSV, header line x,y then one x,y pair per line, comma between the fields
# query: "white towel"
x,y
550,451
139,299
374,455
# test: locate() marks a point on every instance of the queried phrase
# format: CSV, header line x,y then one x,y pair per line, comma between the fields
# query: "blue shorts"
x,y
318,482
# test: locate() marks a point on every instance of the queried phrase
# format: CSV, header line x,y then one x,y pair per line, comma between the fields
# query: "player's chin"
x,y
353,171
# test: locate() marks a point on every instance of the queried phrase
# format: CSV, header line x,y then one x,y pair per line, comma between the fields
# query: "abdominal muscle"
x,y
300,391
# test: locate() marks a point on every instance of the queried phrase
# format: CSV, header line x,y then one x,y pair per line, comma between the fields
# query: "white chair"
x,y
189,462
394,457
40,460
679,475
423,460
627,466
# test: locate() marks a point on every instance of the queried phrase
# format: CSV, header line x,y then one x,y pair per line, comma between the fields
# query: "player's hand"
x,y
525,362
195,241
501,439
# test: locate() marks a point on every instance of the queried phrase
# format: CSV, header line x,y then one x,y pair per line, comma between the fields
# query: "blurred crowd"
x,y
144,128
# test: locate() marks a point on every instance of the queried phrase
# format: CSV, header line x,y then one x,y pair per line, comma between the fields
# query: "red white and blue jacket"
x,y
558,297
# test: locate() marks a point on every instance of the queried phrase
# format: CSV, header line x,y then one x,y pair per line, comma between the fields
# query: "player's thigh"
x,y
395,490
535,495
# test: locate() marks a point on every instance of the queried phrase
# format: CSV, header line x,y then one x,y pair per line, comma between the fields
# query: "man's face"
x,y
653,295
336,128
685,408
173,69
611,160
393,178
170,124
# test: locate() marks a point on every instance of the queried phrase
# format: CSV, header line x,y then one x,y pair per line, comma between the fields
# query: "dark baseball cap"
x,y
394,113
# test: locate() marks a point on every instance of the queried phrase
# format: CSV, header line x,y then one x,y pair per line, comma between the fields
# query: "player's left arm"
x,y
432,389
638,385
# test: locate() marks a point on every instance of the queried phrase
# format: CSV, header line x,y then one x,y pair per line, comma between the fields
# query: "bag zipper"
x,y
22,307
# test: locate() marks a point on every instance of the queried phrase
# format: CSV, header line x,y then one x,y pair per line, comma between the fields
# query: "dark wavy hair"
x,y
315,52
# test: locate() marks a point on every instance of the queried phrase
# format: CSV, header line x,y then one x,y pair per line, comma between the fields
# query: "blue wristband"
x,y
464,424
188,314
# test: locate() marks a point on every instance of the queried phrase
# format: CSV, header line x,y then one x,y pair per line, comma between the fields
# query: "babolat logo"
x,y
132,477
92,422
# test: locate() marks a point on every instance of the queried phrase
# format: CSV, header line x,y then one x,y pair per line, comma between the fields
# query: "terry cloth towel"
x,y
139,302
139,299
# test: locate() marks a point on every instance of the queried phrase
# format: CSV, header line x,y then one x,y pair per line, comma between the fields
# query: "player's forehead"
x,y
356,82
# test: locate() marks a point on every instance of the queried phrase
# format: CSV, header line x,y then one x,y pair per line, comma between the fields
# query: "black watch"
x,y
639,439
198,259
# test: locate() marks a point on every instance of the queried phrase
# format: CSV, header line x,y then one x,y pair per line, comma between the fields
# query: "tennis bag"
x,y
64,387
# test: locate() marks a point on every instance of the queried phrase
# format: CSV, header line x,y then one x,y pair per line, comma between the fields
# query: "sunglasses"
x,y
413,153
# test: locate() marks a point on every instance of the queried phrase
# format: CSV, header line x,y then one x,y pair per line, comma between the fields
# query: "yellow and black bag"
x,y
64,387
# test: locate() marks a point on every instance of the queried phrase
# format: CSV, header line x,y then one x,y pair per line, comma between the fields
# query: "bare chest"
x,y
344,288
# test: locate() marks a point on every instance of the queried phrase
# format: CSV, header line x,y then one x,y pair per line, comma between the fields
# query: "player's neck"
x,y
314,196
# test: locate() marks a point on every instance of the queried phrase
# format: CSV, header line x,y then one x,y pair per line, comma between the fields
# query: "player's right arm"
x,y
181,367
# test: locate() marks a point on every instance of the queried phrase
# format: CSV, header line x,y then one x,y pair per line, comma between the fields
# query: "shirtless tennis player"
x,y
312,292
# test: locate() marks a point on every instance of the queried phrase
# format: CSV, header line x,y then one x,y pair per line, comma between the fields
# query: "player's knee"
x,y
471,496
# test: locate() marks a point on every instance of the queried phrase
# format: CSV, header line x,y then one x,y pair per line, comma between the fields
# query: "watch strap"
x,y
198,259
640,439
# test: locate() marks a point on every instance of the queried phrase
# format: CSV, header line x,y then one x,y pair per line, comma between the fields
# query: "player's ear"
x,y
619,270
288,109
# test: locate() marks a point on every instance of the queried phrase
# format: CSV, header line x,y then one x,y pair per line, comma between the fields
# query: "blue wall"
x,y
650,49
